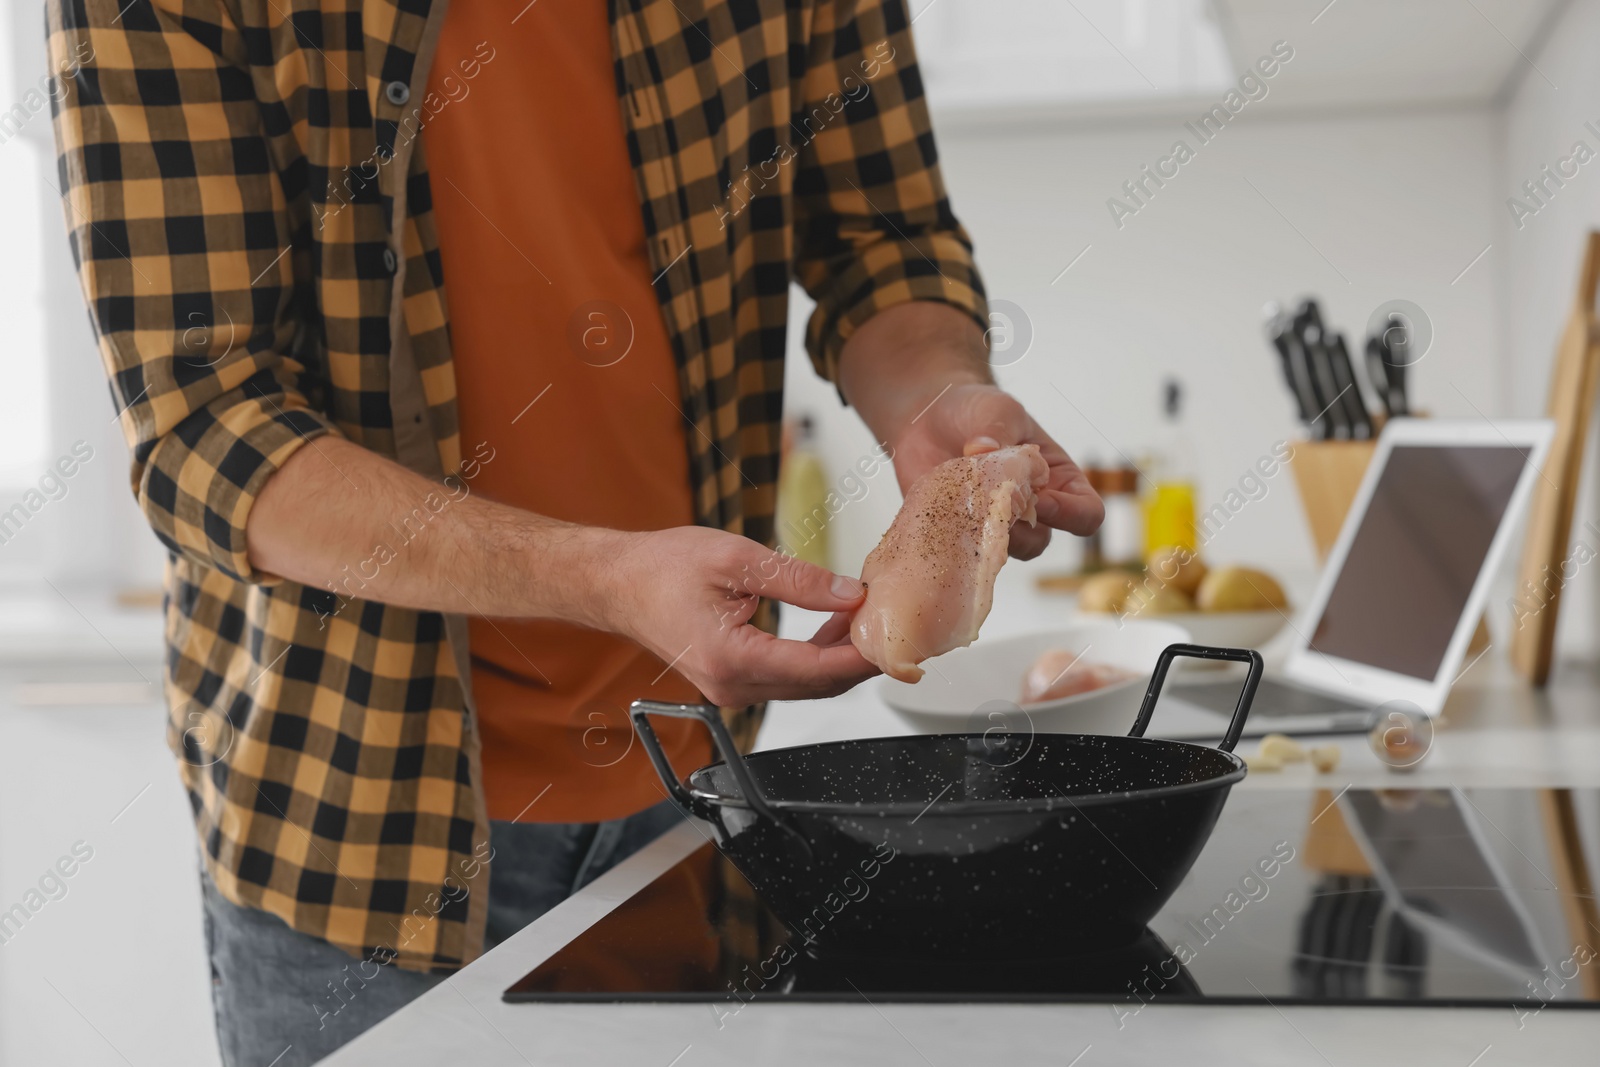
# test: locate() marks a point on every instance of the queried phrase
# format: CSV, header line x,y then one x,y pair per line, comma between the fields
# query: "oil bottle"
x,y
803,514
1169,502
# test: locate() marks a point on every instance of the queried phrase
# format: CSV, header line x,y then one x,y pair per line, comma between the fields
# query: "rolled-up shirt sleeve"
x,y
874,227
181,235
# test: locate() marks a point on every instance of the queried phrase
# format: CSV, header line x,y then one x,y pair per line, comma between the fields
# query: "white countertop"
x,y
1495,733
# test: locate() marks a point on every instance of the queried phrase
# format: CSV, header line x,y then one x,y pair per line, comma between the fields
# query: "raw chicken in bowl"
x,y
963,688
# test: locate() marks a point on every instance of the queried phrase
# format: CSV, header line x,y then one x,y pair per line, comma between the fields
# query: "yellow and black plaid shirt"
x,y
248,203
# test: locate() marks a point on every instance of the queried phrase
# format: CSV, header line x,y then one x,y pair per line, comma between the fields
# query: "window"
x,y
1003,53
82,532
24,154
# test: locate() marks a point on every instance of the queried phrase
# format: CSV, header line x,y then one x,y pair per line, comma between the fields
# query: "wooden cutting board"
x,y
1572,398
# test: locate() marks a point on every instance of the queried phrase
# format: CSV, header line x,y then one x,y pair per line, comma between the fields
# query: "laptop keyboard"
x,y
1273,700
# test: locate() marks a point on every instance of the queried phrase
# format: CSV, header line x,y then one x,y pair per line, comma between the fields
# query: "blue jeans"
x,y
283,998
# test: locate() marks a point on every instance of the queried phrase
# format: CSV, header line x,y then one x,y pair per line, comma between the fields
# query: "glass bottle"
x,y
803,514
1169,503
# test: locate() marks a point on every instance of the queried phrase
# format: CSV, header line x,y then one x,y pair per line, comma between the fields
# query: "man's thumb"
x,y
805,585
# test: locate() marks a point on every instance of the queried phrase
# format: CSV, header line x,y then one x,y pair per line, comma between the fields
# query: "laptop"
x,y
1404,586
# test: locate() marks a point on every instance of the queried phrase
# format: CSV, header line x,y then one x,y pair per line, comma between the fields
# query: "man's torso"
x,y
262,162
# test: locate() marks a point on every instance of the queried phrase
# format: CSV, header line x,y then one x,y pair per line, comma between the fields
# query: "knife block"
x,y
1328,474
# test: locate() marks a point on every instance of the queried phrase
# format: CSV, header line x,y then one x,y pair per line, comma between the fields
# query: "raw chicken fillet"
x,y
930,581
1061,673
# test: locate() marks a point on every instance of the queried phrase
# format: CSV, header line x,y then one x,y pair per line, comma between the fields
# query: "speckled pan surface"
x,y
958,846
991,770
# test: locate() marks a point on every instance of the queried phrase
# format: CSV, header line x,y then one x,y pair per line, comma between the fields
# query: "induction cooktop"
x,y
1435,897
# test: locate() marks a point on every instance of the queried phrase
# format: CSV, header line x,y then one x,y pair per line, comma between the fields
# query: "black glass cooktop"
x,y
1440,897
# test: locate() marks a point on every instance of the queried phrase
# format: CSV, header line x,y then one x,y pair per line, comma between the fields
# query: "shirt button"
x,y
398,93
389,260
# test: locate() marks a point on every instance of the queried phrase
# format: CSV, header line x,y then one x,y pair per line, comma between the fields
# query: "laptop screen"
x,y
1416,556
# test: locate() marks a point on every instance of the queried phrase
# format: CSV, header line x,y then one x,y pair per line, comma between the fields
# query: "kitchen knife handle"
x,y
1397,358
1329,420
1355,404
1280,344
1305,379
1333,411
1378,372
1241,710
1397,389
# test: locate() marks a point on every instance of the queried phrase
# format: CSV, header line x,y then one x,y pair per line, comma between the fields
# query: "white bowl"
x,y
1232,629
961,688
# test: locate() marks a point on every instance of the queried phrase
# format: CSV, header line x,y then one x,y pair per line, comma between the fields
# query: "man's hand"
x,y
980,418
919,375
687,595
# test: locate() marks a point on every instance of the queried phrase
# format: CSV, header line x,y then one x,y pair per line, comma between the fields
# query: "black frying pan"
x,y
965,846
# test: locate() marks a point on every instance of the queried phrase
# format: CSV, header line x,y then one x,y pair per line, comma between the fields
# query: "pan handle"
x,y
1247,696
708,714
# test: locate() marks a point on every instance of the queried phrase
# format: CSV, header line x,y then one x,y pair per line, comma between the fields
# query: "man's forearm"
x,y
328,518
902,358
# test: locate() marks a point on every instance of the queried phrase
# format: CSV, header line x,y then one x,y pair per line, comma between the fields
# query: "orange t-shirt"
x,y
563,366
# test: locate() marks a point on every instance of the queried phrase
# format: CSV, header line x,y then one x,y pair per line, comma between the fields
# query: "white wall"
x,y
1399,204
1540,268
95,535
